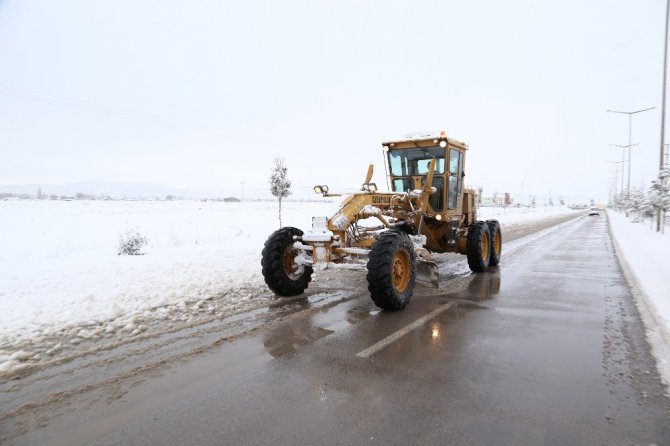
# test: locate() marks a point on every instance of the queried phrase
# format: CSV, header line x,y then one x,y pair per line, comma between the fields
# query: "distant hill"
x,y
104,188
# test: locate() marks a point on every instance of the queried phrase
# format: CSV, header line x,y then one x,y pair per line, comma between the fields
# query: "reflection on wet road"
x,y
286,338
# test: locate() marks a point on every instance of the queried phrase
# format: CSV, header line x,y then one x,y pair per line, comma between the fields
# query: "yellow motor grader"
x,y
391,233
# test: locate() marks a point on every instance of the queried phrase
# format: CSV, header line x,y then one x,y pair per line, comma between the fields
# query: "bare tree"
x,y
280,185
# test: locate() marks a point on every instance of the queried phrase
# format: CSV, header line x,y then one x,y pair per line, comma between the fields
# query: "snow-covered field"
x,y
61,277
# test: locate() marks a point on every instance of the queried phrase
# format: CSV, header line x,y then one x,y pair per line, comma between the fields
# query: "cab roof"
x,y
423,139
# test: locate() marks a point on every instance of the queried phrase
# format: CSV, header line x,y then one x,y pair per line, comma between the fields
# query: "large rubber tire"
x,y
496,241
281,273
478,247
392,270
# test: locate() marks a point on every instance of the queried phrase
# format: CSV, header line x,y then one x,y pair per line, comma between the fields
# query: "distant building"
x,y
497,200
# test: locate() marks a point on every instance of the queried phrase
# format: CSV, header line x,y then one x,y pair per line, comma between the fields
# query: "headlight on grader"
x,y
321,190
370,187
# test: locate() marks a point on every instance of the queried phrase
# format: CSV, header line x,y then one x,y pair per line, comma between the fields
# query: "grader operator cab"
x,y
391,234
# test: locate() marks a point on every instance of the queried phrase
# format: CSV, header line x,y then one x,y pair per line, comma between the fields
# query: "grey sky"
x,y
204,94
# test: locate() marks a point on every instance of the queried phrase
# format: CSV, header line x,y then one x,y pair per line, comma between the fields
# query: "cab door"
x,y
455,172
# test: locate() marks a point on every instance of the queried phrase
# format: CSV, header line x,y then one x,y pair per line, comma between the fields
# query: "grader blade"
x,y
426,268
426,271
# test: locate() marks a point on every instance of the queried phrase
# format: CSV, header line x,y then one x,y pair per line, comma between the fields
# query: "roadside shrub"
x,y
131,243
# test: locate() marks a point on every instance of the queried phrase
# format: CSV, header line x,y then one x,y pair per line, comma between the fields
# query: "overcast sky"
x,y
204,94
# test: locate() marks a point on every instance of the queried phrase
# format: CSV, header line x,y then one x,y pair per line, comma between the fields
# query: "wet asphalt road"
x,y
548,349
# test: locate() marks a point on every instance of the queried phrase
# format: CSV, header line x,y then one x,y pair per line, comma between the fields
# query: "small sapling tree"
x,y
131,243
636,204
280,185
659,195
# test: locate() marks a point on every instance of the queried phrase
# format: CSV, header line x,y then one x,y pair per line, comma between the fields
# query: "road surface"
x,y
546,349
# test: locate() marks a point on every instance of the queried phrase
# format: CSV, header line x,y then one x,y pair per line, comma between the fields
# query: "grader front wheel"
x,y
282,274
392,270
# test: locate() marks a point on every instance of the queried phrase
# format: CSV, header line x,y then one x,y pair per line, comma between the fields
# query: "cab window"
x,y
408,162
402,184
423,165
436,200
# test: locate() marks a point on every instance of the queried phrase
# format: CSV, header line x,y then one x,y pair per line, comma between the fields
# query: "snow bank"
x,y
644,257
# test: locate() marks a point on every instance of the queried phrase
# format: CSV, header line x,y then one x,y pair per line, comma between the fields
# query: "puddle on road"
x,y
478,287
288,337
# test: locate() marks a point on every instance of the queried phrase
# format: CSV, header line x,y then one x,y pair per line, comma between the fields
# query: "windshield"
x,y
415,161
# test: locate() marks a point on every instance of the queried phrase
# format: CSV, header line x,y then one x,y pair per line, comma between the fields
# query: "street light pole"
x,y
623,162
630,133
616,171
665,75
616,176
613,185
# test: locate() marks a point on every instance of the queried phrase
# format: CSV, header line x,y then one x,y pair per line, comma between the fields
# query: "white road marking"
x,y
403,331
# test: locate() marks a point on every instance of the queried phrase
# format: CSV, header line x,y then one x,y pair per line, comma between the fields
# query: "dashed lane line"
x,y
403,331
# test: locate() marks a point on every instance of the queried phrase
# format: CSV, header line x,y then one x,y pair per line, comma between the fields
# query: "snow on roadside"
x,y
61,277
644,257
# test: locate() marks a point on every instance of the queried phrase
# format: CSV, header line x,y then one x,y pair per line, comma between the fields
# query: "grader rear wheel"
x,y
496,241
479,246
392,270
